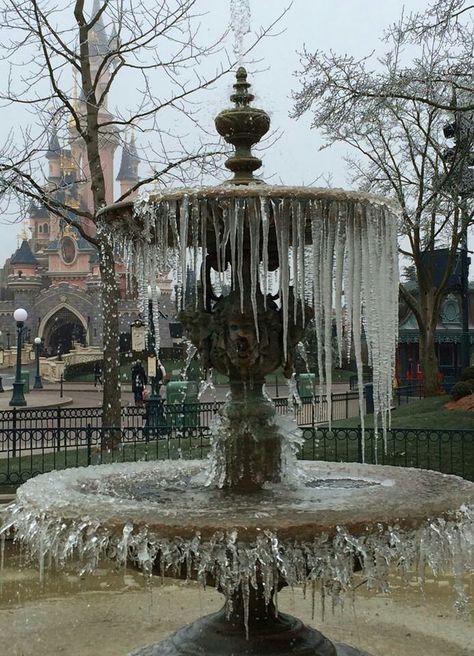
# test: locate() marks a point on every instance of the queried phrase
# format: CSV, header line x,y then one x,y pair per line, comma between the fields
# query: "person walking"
x,y
160,376
139,381
98,375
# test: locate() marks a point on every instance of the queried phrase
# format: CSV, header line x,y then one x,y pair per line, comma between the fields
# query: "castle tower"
x,y
25,279
100,45
128,172
40,226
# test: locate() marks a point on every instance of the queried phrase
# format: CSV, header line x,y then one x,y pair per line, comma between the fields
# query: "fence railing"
x,y
28,452
311,411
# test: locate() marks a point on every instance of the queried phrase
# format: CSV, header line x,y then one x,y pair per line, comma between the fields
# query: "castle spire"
x,y
54,149
99,43
128,171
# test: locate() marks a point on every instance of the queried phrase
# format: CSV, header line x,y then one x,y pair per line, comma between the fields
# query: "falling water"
x,y
240,25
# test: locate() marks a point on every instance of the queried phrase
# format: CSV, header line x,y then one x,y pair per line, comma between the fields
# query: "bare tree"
x,y
434,45
144,56
401,152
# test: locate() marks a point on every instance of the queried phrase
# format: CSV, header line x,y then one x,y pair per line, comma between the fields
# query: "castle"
x,y
54,273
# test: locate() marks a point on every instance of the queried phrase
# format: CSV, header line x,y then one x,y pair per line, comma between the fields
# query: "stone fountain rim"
x,y
68,503
227,190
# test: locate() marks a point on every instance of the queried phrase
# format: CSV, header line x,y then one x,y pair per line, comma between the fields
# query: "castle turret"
x,y
53,153
40,226
25,280
128,172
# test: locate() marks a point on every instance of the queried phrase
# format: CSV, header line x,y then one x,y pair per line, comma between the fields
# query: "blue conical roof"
x,y
129,163
24,255
54,149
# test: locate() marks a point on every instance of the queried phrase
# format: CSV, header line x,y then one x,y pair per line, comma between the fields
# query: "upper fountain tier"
x,y
335,253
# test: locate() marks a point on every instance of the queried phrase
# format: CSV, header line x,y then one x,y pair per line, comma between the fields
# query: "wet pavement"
x,y
112,612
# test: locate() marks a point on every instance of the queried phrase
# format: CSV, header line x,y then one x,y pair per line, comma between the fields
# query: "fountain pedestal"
x,y
268,634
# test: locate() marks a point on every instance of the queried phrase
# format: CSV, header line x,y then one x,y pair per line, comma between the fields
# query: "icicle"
x,y
264,211
329,238
316,232
241,213
217,235
253,219
183,233
203,219
338,278
355,241
281,218
301,219
294,256
233,239
195,245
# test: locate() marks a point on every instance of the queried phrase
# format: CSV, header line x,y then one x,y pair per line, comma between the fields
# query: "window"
x,y
68,250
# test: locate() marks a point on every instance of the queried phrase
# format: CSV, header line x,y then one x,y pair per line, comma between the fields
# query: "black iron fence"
x,y
27,452
311,411
37,440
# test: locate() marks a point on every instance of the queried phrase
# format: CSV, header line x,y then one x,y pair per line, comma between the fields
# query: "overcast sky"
x,y
352,26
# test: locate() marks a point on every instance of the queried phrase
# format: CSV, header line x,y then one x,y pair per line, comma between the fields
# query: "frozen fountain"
x,y
251,520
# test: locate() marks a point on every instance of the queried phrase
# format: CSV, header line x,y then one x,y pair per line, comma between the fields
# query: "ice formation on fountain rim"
x,y
337,252
84,513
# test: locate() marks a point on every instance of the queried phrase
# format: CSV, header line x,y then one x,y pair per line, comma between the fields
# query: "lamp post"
x,y
153,404
18,398
38,382
8,339
152,339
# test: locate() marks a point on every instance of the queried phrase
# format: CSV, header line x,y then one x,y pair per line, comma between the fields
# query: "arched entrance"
x,y
61,329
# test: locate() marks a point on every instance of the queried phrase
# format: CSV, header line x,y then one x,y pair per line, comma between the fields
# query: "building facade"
x,y
54,273
447,339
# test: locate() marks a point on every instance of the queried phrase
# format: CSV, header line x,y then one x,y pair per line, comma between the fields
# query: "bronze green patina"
x,y
245,343
243,126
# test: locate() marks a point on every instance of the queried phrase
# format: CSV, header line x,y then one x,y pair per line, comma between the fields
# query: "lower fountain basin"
x,y
334,519
171,499
337,517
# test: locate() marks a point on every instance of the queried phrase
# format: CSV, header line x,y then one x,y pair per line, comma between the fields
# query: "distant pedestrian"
x,y
160,376
139,381
97,374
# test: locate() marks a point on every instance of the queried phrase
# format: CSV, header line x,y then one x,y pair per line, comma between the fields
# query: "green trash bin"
x,y
25,379
307,386
182,402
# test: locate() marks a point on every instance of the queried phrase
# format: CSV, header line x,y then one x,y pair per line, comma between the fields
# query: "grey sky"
x,y
352,26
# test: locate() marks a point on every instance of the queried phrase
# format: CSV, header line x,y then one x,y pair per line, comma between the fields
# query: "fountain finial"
x,y
243,126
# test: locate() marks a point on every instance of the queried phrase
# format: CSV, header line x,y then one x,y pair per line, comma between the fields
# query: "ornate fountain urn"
x,y
249,520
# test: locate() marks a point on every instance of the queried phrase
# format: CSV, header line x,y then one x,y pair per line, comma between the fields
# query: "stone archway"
x,y
60,328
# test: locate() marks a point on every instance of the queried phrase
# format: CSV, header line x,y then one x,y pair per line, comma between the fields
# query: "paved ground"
x,y
85,395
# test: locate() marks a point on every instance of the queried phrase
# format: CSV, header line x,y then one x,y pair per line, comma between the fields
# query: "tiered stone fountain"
x,y
250,520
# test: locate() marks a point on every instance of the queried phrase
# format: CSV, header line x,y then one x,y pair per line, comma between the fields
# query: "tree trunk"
x,y
428,359
111,408
429,364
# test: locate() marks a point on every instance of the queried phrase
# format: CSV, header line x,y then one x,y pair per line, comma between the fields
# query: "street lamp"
x,y
38,382
18,398
154,409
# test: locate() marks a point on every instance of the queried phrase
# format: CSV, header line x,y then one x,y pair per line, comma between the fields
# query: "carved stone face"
x,y
227,339
243,348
